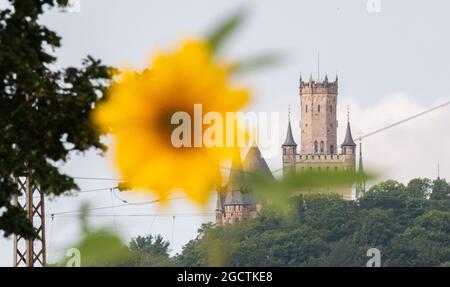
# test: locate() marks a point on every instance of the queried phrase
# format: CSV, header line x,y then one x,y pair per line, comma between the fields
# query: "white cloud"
x,y
412,149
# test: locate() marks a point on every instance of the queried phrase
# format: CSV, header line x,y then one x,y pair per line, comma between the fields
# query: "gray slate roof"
x,y
236,191
348,141
289,137
255,163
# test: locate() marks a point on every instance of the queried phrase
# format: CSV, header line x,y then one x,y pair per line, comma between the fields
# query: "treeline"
x,y
409,224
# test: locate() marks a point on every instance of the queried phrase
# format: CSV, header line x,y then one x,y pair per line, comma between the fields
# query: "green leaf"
x,y
223,31
97,247
279,191
256,63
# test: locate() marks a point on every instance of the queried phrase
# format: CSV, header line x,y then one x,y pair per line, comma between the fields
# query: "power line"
x,y
403,121
104,207
76,192
95,178
117,206
93,190
139,215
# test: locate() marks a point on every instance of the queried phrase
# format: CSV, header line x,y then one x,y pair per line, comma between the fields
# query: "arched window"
x,y
321,147
316,147
318,108
331,108
306,109
331,149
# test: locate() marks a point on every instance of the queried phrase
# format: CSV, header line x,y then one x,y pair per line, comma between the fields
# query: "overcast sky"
x,y
390,64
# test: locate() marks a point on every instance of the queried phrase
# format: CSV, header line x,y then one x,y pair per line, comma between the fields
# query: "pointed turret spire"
x,y
289,137
348,141
254,162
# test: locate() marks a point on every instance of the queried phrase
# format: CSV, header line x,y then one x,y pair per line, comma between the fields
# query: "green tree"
x,y
344,253
325,230
194,253
441,190
44,112
150,251
425,243
419,187
298,247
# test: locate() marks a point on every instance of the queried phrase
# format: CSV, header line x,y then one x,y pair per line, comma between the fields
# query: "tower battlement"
x,y
318,87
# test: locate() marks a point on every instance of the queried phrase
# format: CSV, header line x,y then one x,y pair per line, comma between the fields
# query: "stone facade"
x,y
318,123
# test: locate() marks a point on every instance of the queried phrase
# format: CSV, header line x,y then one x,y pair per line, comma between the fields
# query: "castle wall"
x,y
327,163
236,213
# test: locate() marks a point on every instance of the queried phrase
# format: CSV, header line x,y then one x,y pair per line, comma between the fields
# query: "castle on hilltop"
x,y
318,151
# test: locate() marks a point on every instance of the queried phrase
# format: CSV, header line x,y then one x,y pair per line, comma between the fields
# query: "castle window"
x,y
331,108
316,147
318,108
306,108
321,147
331,149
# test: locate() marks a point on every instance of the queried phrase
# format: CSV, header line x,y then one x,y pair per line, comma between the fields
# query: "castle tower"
x,y
237,204
235,201
318,101
289,148
349,147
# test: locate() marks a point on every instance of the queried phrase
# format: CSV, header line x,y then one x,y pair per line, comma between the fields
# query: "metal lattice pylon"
x,y
30,252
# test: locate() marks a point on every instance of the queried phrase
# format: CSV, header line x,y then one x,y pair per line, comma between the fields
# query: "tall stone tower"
x,y
318,124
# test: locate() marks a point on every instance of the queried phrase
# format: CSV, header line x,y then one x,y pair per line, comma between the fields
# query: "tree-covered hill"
x,y
410,225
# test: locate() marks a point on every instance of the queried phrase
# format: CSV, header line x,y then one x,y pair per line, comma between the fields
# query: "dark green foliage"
x,y
150,251
406,223
441,189
44,112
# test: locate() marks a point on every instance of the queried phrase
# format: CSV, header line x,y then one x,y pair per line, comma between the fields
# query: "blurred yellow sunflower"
x,y
138,113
